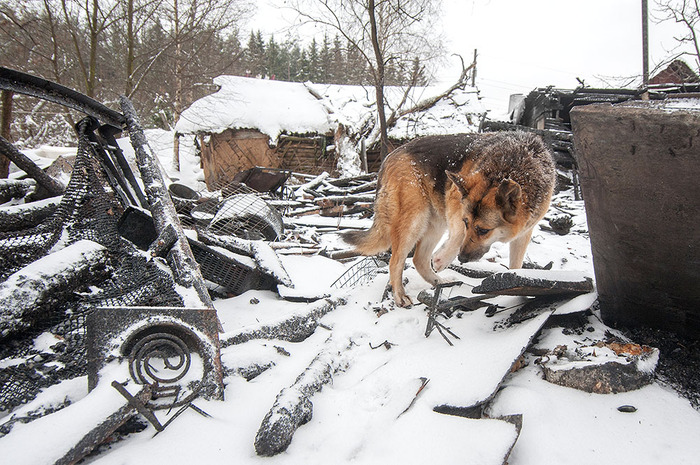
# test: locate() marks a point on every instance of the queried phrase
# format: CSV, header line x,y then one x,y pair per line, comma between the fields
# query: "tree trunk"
x,y
93,49
129,84
379,81
177,104
5,122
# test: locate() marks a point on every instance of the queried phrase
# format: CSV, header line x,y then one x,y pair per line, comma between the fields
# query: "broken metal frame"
x,y
362,272
433,312
156,198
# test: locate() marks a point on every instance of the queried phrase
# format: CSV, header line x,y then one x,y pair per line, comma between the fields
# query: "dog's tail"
x,y
370,242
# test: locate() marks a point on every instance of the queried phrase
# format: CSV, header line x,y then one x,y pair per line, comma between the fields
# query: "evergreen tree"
x,y
273,56
325,62
338,71
314,62
255,55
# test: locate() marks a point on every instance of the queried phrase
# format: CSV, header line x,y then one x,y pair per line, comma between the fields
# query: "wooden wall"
x,y
232,151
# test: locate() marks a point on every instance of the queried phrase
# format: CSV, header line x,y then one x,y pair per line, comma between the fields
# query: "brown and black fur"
x,y
481,188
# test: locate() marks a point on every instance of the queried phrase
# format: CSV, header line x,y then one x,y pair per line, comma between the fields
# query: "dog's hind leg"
x,y
424,251
518,246
403,238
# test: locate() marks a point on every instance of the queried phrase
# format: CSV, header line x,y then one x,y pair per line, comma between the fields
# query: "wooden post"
x,y
645,50
363,155
5,122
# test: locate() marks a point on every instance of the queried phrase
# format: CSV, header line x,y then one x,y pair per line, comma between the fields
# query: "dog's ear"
x,y
458,181
508,198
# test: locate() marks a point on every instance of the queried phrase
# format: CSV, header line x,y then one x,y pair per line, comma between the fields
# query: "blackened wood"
x,y
102,431
23,162
28,215
512,283
182,261
293,407
31,292
293,328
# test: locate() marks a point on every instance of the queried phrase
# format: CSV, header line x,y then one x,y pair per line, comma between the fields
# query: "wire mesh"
x,y
87,210
362,272
234,209
234,276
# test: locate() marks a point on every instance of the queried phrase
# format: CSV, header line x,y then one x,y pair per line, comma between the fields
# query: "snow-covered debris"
x,y
38,443
37,286
293,407
535,282
602,368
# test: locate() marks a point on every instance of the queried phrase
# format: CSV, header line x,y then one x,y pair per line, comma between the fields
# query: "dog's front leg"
x,y
448,251
518,246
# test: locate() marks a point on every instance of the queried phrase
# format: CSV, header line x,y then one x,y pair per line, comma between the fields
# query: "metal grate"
x,y
235,209
362,272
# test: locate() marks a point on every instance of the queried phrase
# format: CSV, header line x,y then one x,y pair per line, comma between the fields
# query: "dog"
x,y
481,188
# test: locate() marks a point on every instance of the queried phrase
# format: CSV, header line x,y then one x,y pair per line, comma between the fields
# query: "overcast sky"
x,y
523,44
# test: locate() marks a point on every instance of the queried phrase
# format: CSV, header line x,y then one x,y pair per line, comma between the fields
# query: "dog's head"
x,y
488,212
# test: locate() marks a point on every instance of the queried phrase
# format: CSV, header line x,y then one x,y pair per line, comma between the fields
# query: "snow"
x,y
26,285
566,426
73,422
274,108
278,107
45,341
372,411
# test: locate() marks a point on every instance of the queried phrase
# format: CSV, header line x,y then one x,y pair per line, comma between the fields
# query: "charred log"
x,y
27,216
39,287
47,183
293,407
294,328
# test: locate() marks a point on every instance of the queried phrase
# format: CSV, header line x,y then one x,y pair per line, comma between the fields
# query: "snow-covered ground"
x,y
375,411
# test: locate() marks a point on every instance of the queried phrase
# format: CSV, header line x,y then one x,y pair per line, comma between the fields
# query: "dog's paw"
x,y
402,300
439,263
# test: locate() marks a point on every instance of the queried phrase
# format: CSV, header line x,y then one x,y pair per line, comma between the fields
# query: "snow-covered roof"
x,y
276,107
272,107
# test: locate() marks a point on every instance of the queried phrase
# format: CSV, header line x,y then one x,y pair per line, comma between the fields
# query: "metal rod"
x,y
27,84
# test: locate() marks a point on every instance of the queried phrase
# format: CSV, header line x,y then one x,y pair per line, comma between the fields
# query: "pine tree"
x,y
325,62
255,55
338,71
274,63
314,62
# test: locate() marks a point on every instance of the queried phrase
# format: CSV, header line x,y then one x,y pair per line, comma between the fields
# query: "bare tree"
x,y
192,27
386,33
687,14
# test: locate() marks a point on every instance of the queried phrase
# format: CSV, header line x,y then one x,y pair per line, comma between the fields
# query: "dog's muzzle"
x,y
470,256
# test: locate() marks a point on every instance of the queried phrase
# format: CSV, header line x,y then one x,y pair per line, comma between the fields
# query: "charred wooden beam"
x,y
23,162
535,282
181,260
104,429
293,407
294,328
28,215
30,292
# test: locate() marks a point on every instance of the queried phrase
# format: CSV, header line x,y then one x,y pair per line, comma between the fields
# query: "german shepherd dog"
x,y
481,188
